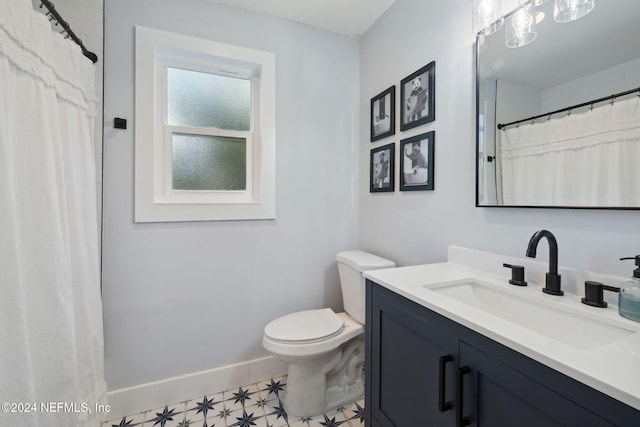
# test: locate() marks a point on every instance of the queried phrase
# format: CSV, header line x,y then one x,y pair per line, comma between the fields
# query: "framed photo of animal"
x,y
383,114
418,97
417,162
382,169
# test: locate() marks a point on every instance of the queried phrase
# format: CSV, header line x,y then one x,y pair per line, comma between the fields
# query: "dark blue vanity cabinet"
x,y
423,369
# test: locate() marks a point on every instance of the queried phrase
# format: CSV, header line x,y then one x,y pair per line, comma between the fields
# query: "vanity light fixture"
x,y
521,27
489,18
570,10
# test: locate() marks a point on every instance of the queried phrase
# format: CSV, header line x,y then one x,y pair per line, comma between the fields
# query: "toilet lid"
x,y
309,325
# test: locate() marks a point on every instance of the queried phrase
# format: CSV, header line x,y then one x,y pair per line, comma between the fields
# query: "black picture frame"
x,y
383,114
417,162
382,169
418,97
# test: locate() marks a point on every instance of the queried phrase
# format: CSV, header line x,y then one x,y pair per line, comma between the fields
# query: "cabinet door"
x,y
403,365
495,394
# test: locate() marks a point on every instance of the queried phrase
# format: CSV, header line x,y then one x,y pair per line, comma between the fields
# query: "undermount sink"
x,y
550,320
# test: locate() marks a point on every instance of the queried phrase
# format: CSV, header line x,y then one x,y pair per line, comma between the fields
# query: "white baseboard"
x,y
132,400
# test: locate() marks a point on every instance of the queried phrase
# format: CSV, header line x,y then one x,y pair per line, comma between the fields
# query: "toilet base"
x,y
337,397
333,380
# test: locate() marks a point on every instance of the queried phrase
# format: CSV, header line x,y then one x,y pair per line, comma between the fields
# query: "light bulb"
x,y
521,27
488,16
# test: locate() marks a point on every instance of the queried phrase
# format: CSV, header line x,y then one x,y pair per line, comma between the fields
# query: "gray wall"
x,y
185,297
417,227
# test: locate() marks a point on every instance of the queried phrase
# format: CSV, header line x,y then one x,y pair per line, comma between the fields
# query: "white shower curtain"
x,y
51,344
584,159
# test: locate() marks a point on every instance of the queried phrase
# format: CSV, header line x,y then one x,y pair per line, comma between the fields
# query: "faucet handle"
x,y
594,295
517,274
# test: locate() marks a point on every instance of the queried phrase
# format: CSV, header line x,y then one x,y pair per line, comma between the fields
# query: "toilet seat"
x,y
305,327
314,347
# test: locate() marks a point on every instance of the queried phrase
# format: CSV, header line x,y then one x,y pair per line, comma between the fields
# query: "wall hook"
x,y
119,123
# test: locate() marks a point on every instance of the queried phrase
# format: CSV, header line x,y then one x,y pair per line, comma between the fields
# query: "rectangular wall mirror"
x,y
550,132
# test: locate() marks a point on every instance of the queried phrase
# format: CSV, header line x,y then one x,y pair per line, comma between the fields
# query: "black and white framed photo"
x,y
418,97
382,169
417,162
383,114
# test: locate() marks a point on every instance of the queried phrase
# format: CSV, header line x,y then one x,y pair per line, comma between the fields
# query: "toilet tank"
x,y
351,264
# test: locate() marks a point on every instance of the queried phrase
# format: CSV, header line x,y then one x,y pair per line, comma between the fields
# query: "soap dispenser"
x,y
629,297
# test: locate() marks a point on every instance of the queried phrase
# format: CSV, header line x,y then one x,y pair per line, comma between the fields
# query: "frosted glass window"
x,y
208,100
205,141
213,163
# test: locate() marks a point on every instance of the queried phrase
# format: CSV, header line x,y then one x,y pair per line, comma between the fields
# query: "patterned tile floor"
x,y
257,405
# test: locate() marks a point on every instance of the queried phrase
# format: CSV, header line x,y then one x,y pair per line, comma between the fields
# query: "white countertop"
x,y
613,368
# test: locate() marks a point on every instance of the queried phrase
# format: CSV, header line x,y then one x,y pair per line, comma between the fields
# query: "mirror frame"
x,y
477,156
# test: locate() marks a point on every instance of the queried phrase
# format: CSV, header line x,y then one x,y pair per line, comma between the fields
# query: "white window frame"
x,y
155,198
163,176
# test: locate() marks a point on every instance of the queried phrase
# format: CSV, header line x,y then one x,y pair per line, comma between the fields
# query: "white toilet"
x,y
324,349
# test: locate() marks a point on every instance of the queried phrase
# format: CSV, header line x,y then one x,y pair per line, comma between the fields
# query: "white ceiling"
x,y
350,17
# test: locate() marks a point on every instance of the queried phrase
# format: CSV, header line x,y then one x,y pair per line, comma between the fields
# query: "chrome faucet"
x,y
552,282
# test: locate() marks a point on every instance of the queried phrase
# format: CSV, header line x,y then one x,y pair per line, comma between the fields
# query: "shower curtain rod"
x,y
53,14
584,104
